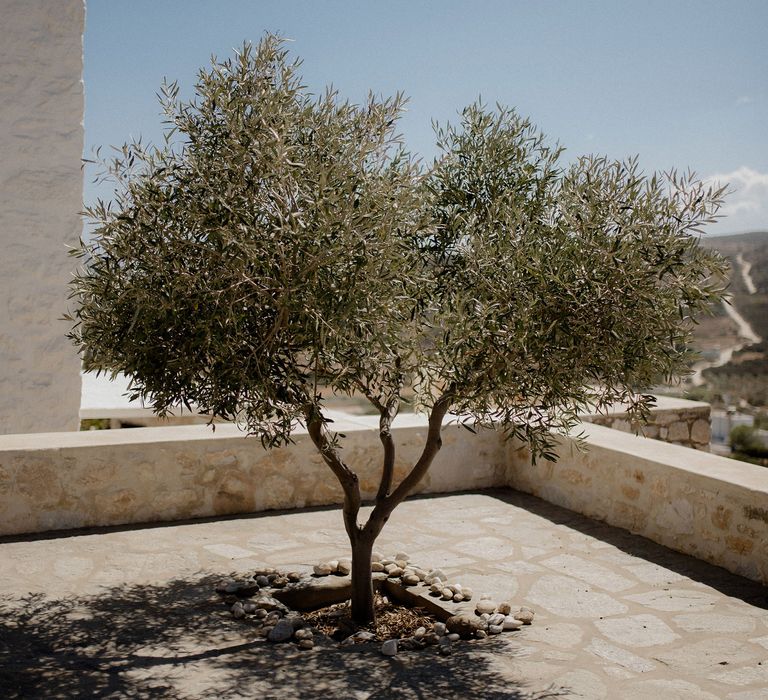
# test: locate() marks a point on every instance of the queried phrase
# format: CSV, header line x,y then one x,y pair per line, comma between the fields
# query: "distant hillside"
x,y
748,238
753,251
746,375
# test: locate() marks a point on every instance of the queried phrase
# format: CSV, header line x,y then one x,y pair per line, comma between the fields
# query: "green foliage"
x,y
279,242
703,393
560,290
744,440
94,424
268,251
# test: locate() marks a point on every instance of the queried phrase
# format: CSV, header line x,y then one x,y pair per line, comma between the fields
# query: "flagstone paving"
x,y
130,613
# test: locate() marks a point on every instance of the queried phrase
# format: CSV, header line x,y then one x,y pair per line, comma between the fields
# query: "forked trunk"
x,y
362,538
362,581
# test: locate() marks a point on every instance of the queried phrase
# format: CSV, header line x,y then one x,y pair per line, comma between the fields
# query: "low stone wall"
x,y
676,421
68,480
710,507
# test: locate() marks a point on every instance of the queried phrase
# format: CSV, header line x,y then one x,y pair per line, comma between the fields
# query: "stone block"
x,y
700,432
721,517
621,424
739,545
630,492
651,431
676,517
678,432
631,517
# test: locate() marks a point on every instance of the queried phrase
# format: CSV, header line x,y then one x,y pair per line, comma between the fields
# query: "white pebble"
x,y
486,606
525,616
496,619
389,648
344,567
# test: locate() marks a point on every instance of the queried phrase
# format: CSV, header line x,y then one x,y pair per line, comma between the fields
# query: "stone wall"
x,y
691,501
69,480
710,507
676,421
41,141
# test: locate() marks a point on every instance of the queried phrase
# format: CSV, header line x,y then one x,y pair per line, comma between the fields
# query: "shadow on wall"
x,y
177,641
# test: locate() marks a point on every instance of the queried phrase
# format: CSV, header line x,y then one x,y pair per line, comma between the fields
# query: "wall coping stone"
x,y
678,457
663,403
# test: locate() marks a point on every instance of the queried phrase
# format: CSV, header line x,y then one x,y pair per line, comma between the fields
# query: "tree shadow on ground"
x,y
710,575
178,641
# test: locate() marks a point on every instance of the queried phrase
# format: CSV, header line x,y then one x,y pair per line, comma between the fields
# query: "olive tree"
x,y
282,247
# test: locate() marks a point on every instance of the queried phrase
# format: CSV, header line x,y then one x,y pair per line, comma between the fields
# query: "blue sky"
x,y
682,84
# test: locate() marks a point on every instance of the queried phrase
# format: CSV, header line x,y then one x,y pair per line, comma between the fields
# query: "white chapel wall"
x,y
41,143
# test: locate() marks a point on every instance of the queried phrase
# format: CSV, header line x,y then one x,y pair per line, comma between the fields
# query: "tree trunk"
x,y
362,538
362,581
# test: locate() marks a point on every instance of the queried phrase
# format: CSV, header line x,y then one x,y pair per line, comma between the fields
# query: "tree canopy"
x,y
279,242
281,246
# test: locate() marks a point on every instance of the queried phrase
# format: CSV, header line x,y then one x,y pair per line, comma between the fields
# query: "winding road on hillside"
x,y
747,335
745,268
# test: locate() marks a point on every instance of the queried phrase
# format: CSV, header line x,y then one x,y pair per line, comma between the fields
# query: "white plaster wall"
x,y
41,144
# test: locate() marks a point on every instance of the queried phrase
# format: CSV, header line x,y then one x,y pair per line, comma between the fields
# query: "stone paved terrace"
x,y
129,612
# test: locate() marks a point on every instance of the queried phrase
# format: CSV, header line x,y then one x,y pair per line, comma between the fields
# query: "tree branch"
x,y
385,506
347,478
387,415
